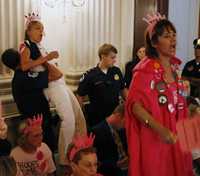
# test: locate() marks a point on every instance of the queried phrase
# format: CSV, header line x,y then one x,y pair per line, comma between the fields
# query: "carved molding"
x,y
72,79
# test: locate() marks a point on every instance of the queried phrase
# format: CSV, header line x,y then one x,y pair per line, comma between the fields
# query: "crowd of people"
x,y
129,125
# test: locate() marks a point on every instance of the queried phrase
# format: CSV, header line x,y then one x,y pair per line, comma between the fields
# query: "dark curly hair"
x,y
158,30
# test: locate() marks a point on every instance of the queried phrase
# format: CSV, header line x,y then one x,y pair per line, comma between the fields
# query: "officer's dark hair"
x,y
196,43
105,49
11,58
157,31
119,109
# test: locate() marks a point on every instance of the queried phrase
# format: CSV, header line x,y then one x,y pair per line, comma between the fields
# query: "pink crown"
x,y
152,20
31,17
81,142
30,123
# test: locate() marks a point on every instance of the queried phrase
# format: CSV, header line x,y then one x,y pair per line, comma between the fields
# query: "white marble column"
x,y
80,31
185,16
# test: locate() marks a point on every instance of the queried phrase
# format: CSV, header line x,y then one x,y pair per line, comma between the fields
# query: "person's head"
x,y
196,44
116,119
34,28
107,54
160,39
11,58
8,166
193,106
82,156
30,133
140,52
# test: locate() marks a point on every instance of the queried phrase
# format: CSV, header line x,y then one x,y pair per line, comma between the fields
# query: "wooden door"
x,y
142,8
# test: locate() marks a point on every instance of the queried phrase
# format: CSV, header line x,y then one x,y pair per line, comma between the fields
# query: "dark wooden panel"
x,y
162,6
142,8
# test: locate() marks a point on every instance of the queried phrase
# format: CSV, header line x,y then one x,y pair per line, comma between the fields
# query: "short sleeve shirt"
x,y
39,163
102,89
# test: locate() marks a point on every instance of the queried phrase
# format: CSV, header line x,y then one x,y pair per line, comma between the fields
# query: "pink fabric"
x,y
149,155
188,131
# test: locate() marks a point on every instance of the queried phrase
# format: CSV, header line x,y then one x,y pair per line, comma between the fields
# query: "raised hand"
x,y
53,55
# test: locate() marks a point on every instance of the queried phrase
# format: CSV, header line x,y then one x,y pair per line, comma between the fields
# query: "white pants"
x,y
57,95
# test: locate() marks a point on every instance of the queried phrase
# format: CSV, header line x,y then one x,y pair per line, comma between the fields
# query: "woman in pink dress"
x,y
155,103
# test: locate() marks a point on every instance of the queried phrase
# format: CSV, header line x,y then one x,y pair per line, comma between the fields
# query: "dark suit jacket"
x,y
107,149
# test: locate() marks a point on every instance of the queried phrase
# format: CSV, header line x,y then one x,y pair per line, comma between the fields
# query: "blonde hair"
x,y
105,49
8,166
30,25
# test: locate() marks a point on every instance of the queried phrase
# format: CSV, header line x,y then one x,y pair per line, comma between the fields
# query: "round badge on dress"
x,y
152,84
116,77
161,86
180,105
162,99
171,108
156,65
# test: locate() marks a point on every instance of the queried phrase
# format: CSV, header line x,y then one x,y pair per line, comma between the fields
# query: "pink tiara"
x,y
81,142
152,20
30,123
31,17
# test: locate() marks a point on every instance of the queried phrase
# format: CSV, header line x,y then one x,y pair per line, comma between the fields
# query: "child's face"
x,y
35,136
87,166
35,32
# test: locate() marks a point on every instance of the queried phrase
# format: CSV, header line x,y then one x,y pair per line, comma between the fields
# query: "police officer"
x,y
191,71
103,85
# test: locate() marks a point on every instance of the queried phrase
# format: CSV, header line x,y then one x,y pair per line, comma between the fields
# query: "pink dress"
x,y
149,154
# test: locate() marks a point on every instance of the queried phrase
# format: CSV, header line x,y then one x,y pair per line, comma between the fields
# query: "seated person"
x,y
82,156
191,71
110,142
131,64
33,157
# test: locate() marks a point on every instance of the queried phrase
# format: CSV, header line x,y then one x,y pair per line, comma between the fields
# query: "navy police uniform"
x,y
192,70
103,91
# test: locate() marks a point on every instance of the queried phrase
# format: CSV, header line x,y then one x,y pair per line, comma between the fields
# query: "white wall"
x,y
78,33
184,14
